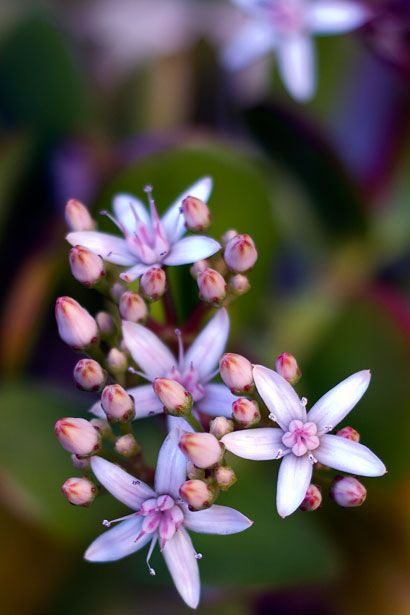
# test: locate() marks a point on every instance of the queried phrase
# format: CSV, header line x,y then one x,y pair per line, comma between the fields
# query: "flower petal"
x,y
173,220
117,542
111,248
147,350
191,249
296,63
146,402
171,465
124,487
280,398
251,42
335,16
134,273
258,444
330,409
179,555
294,478
208,347
348,456
217,520
124,206
218,401
97,410
180,422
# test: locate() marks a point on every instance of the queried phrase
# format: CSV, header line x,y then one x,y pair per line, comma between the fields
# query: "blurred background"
x,y
99,96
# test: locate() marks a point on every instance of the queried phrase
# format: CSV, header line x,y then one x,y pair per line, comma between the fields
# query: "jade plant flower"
x,y
302,439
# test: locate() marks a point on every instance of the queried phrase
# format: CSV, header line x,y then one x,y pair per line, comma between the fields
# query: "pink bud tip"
x,y
89,375
86,267
313,499
236,372
133,307
239,284
246,412
347,491
197,494
79,491
75,325
287,367
203,449
177,401
220,426
77,216
349,433
240,253
153,284
196,213
77,436
117,404
212,286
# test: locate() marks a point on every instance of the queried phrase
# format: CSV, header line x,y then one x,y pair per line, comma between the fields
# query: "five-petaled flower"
x,y
287,26
302,439
149,241
160,515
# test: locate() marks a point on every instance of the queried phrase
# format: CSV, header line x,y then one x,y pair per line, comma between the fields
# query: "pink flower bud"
x,y
239,284
240,253
347,491
76,326
236,372
127,446
89,375
77,436
133,307
246,412
349,433
117,290
177,401
117,404
287,367
86,267
203,449
80,463
197,494
105,324
225,477
78,217
220,426
196,213
102,426
153,284
79,491
198,268
116,362
313,498
228,235
193,472
212,286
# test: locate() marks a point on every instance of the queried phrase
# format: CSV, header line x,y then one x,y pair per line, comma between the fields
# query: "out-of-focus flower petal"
x,y
127,208
147,350
335,16
134,273
252,42
208,347
296,62
124,487
146,402
173,219
218,401
179,555
279,396
294,478
111,248
171,465
348,456
217,520
117,542
191,249
257,444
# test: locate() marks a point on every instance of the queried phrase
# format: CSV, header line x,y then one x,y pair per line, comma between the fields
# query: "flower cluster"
x,y
209,403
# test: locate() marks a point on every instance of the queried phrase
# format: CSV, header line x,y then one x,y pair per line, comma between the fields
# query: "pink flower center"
x,y
161,515
301,437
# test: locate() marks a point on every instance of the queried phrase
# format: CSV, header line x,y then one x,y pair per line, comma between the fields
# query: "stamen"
x,y
304,401
312,459
154,213
118,224
131,370
279,454
107,523
178,333
150,550
212,376
272,417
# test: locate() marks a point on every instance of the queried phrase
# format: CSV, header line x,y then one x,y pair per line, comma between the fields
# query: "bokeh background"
x,y
107,95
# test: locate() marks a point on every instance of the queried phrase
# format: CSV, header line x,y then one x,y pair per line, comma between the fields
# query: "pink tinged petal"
x,y
258,444
181,423
208,347
146,402
348,456
179,555
217,520
117,542
279,396
147,350
111,248
134,273
330,409
335,16
191,249
173,220
127,208
171,465
252,42
124,487
294,478
218,401
296,62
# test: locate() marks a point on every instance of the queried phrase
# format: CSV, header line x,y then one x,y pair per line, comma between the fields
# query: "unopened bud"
x,y
196,213
117,404
212,286
287,367
198,268
117,290
89,375
105,324
176,400
228,235
197,494
78,217
77,436
153,283
225,477
246,412
116,362
203,449
75,325
236,372
240,253
79,491
220,426
239,284
347,491
193,472
86,267
102,426
349,433
313,498
80,463
133,307
127,446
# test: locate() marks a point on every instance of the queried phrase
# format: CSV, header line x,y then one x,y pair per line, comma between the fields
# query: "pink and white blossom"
x,y
160,516
302,439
